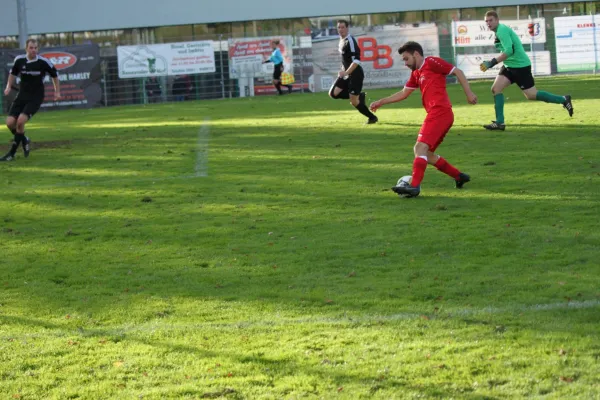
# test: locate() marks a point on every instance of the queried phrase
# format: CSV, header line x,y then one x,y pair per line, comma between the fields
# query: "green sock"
x,y
549,97
499,107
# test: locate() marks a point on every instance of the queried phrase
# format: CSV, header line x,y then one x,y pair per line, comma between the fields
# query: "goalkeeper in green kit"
x,y
516,69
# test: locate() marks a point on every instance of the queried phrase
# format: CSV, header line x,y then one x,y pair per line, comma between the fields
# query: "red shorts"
x,y
434,128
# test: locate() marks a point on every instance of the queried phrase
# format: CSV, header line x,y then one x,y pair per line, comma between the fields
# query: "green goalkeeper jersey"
x,y
509,43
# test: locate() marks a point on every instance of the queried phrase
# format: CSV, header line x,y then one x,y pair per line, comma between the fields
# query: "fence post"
x,y
1,86
595,43
222,74
532,21
455,60
103,67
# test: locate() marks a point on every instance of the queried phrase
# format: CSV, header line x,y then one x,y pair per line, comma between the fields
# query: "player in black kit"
x,y
350,79
32,69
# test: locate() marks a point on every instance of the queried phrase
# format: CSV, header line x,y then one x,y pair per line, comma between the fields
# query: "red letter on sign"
x,y
370,45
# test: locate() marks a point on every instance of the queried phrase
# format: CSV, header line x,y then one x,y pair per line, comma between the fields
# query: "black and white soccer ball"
x,y
404,182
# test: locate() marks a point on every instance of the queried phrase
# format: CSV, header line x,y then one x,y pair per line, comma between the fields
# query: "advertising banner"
x,y
78,71
246,56
469,64
181,58
381,63
476,33
577,43
302,72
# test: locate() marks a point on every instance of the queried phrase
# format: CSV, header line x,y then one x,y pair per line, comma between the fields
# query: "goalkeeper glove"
x,y
484,66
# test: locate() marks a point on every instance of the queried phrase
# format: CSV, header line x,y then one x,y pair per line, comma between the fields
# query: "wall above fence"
x,y
86,15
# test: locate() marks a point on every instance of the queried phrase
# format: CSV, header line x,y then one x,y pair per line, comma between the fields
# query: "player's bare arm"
x,y
396,97
11,82
56,83
462,79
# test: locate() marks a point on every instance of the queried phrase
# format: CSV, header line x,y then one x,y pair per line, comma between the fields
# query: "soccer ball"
x,y
403,182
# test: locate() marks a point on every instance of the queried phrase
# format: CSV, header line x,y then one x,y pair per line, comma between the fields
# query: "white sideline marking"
x,y
202,149
154,326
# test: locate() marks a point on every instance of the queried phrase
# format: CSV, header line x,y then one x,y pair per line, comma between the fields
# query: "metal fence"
x,y
204,86
315,60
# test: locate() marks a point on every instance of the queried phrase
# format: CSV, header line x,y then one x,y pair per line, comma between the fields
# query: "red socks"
x,y
420,164
418,171
447,168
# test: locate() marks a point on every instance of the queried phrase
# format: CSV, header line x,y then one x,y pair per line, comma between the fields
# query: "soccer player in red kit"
x,y
429,74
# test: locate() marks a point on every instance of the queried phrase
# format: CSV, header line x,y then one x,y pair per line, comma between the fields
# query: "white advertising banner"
x,y
577,43
476,33
379,46
469,64
166,59
246,56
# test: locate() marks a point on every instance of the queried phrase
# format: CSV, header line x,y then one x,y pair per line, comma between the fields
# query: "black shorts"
x,y
520,76
354,83
277,71
25,106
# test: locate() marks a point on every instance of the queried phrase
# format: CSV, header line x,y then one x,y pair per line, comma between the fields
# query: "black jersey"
x,y
32,73
350,51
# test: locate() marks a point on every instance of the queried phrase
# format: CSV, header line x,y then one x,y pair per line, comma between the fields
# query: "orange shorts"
x,y
435,127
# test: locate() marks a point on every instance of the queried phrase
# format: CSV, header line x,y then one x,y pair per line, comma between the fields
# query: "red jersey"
x,y
431,79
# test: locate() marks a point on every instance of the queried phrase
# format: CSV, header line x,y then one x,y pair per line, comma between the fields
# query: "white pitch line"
x,y
202,149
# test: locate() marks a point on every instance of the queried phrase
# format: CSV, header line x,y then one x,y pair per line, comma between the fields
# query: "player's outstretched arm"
x,y
396,97
462,79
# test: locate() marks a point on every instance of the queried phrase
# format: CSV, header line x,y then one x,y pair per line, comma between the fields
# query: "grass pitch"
x,y
252,249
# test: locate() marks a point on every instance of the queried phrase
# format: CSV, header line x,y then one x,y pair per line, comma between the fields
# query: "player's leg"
x,y
29,111
11,124
276,77
339,89
428,136
527,85
442,165
21,121
444,122
502,81
357,96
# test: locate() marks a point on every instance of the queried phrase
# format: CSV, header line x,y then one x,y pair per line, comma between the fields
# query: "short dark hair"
x,y
492,13
31,41
343,21
411,47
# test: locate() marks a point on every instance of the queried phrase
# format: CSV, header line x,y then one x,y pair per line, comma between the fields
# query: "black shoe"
x,y
372,120
26,146
407,190
290,88
8,157
494,126
462,179
568,105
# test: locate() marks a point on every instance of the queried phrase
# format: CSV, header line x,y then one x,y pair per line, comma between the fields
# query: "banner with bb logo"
x,y
379,45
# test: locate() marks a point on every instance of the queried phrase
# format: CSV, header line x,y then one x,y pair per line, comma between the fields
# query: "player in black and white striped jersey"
x,y
349,83
32,69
